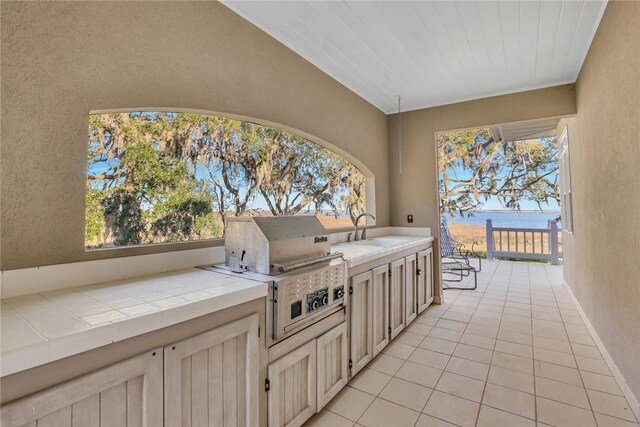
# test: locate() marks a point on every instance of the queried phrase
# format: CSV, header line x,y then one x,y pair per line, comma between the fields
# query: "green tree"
x,y
474,167
161,177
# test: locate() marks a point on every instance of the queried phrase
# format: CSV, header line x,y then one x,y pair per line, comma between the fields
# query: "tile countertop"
x,y
40,328
356,253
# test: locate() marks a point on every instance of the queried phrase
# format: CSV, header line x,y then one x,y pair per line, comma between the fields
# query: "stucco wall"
x,y
604,144
414,191
62,59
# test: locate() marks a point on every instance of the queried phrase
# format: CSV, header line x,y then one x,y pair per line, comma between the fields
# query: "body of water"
x,y
506,218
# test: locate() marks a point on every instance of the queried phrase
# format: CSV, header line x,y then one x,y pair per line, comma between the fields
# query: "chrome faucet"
x,y
364,230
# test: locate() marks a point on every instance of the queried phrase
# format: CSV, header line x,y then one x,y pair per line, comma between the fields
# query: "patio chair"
x,y
456,261
456,250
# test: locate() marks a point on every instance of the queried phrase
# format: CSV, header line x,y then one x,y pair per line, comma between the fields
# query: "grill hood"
x,y
273,245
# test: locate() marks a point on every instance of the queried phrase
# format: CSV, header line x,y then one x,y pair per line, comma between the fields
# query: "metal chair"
x,y
456,260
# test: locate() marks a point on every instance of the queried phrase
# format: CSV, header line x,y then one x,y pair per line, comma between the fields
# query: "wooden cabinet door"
x,y
293,387
425,279
361,302
380,315
128,393
411,291
332,361
212,378
397,297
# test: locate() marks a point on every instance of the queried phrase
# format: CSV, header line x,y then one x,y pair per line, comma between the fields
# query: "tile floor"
x,y
514,352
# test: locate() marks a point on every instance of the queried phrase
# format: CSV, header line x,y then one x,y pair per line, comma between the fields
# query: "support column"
x,y
553,243
489,239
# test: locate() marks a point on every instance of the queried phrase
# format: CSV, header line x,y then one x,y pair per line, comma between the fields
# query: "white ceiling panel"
x,y
434,52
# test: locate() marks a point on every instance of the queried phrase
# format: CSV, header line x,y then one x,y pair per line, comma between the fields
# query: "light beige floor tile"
x,y
430,358
609,404
451,324
511,379
555,357
410,395
483,330
514,348
510,400
419,374
551,344
409,338
384,414
461,386
491,417
370,381
478,341
470,352
561,414
419,328
350,403
492,322
386,364
572,320
468,368
429,421
325,418
582,339
510,361
556,334
592,365
427,320
576,329
599,382
586,351
607,421
439,345
515,337
557,373
445,334
548,324
517,319
515,327
562,392
453,409
456,316
399,350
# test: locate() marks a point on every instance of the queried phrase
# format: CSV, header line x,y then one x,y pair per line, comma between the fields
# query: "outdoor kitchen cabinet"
x,y
212,378
128,393
397,297
361,304
411,290
380,308
332,364
210,367
424,279
303,381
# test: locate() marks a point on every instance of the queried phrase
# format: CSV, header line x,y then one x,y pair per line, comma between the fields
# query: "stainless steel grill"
x,y
293,254
273,245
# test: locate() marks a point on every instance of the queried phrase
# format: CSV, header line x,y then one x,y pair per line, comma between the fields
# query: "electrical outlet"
x,y
410,219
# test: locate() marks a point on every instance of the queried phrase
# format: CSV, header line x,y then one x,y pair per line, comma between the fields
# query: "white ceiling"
x,y
433,52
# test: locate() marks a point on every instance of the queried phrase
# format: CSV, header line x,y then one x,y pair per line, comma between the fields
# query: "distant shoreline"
x,y
512,211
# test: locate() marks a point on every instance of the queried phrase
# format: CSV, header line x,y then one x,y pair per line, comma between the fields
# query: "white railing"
x,y
525,243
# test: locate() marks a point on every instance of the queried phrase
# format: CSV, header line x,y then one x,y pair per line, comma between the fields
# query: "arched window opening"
x,y
160,177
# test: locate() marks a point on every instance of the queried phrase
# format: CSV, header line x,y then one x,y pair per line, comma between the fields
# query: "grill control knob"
x,y
314,304
325,300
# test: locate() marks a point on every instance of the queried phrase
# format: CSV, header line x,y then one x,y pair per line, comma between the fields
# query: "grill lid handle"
x,y
283,268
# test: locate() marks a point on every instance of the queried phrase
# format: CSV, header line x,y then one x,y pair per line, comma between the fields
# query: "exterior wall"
x,y
604,144
61,60
415,191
